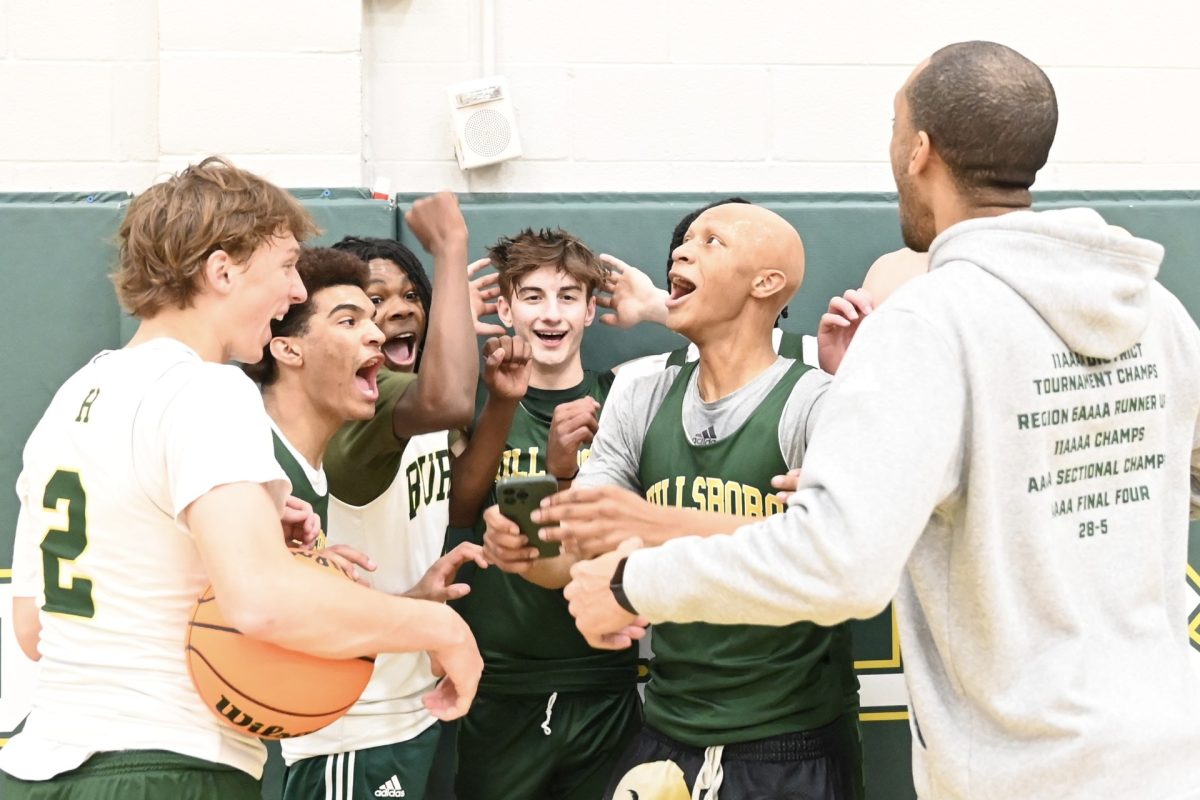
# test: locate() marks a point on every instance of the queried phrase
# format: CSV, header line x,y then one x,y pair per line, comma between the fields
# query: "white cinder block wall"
x,y
623,95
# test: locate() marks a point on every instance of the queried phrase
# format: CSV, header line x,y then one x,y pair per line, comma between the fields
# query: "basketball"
x,y
265,690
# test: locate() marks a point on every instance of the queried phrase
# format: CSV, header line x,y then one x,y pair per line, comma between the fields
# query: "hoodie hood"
x,y
1090,281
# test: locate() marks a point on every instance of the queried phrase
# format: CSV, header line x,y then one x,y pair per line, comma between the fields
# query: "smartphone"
x,y
519,497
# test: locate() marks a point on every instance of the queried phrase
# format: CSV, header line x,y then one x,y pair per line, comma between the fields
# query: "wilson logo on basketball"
x,y
264,690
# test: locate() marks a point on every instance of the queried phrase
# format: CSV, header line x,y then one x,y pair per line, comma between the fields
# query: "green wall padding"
x,y
59,309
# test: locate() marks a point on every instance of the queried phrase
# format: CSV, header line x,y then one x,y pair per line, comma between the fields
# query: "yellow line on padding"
x,y
5,573
882,716
1195,576
886,663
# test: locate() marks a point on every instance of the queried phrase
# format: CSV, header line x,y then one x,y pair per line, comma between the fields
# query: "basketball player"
x,y
151,475
389,473
772,710
555,713
1024,491
632,297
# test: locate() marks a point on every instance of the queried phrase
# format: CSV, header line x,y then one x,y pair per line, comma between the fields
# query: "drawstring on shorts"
x,y
710,775
549,712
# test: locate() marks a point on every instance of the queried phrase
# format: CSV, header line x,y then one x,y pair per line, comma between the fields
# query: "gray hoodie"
x,y
1010,449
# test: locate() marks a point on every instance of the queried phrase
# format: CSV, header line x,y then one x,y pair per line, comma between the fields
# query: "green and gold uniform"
x,y
776,706
552,714
388,498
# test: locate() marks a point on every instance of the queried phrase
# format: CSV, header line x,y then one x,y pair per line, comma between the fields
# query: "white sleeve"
x,y
26,561
888,450
215,431
798,421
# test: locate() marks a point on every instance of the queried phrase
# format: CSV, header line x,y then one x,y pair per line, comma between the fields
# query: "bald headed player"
x,y
753,711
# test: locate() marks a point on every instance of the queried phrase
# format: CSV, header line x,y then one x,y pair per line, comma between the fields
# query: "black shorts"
x,y
821,764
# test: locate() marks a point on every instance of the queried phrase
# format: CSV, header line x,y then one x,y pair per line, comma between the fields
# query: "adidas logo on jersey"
x,y
390,789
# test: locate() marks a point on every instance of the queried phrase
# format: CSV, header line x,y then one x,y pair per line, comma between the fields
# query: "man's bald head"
x,y
763,241
990,114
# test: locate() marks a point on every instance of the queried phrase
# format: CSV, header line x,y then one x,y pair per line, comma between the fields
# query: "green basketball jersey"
x,y
301,486
528,639
722,684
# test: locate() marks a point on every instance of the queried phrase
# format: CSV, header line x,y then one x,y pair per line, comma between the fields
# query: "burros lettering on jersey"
x,y
428,480
240,718
716,495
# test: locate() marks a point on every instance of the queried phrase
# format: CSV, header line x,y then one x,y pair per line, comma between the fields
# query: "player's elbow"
x,y
27,626
434,411
865,601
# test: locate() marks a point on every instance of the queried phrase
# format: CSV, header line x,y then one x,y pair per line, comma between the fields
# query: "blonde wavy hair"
x,y
173,227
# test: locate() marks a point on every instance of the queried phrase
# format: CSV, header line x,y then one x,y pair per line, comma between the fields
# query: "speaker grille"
x,y
487,132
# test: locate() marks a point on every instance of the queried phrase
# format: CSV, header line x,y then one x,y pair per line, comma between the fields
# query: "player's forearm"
x,y
671,523
443,395
550,573
329,616
473,473
267,593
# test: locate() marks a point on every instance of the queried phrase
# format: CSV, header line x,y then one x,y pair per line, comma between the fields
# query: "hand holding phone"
x,y
518,497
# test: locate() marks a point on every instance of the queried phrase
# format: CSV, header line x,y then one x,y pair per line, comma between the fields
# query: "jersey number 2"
x,y
66,545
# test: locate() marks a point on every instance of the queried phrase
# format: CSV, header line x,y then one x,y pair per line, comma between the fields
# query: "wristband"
x,y
569,477
618,589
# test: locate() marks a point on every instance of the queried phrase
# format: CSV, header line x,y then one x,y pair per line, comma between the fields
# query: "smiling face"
x,y
549,309
261,290
337,356
399,313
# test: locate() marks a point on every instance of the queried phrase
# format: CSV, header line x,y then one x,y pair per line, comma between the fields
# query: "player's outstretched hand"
x,y
459,666
437,584
630,295
350,561
484,291
507,362
504,545
438,223
572,426
301,525
838,326
786,483
589,595
593,520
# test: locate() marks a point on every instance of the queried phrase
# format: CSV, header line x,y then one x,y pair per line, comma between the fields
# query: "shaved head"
x,y
763,241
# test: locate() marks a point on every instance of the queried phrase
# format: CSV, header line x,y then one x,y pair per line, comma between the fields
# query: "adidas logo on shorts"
x,y
390,789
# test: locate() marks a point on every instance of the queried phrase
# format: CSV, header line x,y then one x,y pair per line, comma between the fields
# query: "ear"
x,y
287,350
591,311
768,282
918,159
504,311
218,272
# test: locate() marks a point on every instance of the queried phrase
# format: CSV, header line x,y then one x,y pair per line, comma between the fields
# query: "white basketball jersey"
x,y
403,531
126,445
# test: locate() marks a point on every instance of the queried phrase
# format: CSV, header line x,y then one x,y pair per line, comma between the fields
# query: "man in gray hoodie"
x,y
1011,449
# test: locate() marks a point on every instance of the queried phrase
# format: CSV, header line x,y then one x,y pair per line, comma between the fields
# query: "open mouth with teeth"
x,y
366,377
551,338
401,350
680,288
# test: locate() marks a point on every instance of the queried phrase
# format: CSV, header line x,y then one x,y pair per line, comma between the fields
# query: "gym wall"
x,y
624,95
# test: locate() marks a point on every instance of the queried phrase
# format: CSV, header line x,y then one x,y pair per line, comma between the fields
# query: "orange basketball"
x,y
265,690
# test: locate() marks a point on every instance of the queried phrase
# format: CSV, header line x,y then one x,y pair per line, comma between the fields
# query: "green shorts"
x,y
389,770
526,747
125,774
